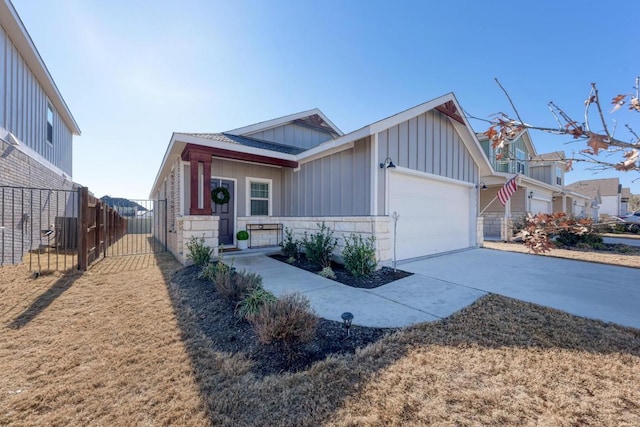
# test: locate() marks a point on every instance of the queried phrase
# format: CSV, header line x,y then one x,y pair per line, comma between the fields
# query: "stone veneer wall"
x,y
479,231
380,226
194,226
492,225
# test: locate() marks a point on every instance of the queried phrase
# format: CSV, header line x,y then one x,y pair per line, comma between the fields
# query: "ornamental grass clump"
x,y
288,320
198,252
360,255
253,302
319,246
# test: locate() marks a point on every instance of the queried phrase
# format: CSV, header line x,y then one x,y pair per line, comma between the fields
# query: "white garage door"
x,y
540,206
434,215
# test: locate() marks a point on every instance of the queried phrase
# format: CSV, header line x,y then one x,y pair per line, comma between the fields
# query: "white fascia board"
x,y
412,112
268,124
473,145
165,166
11,22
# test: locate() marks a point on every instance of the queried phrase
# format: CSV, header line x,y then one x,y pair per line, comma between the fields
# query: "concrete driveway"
x,y
597,291
445,284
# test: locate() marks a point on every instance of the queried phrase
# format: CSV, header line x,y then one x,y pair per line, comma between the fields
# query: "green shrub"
x,y
572,238
235,285
290,247
359,255
242,235
319,246
209,271
288,320
253,302
198,252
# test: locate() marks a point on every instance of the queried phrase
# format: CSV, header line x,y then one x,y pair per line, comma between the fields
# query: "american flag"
x,y
507,190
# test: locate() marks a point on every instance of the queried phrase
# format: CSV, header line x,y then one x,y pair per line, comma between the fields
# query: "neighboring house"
x,y
541,185
36,133
299,170
613,198
625,198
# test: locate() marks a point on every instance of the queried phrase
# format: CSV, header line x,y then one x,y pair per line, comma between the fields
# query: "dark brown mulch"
x,y
200,307
378,278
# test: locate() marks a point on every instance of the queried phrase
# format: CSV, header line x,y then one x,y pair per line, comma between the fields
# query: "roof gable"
x,y
312,118
605,186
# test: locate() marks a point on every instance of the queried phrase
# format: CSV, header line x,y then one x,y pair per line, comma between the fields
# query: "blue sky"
x,y
133,72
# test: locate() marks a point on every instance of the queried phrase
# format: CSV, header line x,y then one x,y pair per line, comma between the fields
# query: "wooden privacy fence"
x,y
100,227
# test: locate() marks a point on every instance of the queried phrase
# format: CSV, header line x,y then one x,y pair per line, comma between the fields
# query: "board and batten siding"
x,y
293,134
427,143
334,185
23,108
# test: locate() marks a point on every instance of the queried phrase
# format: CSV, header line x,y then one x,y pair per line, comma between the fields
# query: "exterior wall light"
x,y
347,318
531,194
387,163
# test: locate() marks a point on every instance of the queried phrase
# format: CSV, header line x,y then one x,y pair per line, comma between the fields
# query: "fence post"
x,y
83,226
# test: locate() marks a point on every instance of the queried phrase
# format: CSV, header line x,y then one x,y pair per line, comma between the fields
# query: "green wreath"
x,y
220,196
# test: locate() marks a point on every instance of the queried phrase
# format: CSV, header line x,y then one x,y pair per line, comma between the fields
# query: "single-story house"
x,y
611,195
300,170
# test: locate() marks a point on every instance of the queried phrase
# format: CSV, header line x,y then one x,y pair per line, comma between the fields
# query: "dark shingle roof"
x,y
249,142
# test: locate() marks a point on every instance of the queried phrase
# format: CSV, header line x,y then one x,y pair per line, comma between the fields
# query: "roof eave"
x,y
13,25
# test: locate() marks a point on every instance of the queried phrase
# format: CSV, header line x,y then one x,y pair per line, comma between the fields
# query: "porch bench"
x,y
270,227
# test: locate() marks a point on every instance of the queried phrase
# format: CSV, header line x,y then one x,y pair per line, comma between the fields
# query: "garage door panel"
x,y
540,206
434,215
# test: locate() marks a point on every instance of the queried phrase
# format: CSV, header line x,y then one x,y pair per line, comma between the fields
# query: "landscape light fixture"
x,y
387,163
347,318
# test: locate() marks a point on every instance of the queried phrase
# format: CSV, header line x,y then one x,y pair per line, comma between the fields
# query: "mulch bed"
x,y
380,277
213,316
615,248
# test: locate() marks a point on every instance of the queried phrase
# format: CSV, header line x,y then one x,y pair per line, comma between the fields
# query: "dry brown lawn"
x,y
116,346
625,260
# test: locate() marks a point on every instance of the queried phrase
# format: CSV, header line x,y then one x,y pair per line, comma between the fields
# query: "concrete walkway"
x,y
414,299
445,284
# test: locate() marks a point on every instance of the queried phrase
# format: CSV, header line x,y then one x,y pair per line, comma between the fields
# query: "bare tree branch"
x,y
604,122
510,101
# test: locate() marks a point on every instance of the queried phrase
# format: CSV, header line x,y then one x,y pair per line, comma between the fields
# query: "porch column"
x,y
564,203
199,188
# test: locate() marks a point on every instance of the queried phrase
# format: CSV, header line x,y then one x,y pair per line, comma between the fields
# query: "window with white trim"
x,y
558,176
259,197
49,124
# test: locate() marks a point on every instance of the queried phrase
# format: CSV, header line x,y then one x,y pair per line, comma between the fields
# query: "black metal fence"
x,y
39,227
44,228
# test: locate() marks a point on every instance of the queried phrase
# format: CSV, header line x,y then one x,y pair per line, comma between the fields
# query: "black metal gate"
x,y
146,230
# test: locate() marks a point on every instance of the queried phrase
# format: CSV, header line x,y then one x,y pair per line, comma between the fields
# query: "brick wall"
x,y
33,195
